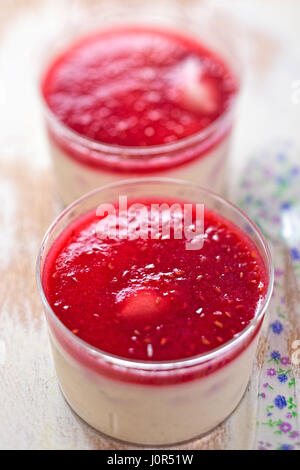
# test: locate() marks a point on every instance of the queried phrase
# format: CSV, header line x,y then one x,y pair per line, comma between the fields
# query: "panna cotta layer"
x,y
154,414
75,179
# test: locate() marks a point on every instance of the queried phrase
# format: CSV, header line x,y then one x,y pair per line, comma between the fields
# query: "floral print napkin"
x,y
271,185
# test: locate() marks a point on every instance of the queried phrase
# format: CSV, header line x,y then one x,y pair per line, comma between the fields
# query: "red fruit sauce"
x,y
134,86
151,299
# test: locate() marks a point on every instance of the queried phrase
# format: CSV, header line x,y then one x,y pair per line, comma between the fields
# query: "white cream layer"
x,y
153,414
75,179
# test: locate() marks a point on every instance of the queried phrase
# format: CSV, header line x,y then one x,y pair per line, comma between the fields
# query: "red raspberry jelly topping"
x,y
135,86
152,299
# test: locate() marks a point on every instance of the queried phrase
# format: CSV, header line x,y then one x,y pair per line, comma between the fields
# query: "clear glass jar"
x,y
82,164
148,402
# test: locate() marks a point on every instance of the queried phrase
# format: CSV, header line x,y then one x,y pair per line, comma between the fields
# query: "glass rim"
x,y
174,363
151,150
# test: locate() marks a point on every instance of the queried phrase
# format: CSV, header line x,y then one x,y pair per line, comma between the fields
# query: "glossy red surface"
x,y
152,299
134,86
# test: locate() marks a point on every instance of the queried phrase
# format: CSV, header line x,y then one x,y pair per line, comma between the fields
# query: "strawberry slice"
x,y
197,92
143,303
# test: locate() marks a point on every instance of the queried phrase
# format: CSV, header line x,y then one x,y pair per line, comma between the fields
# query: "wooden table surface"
x,y
33,414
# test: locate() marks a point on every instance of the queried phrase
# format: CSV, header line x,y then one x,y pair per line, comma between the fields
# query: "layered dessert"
x,y
153,341
138,100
